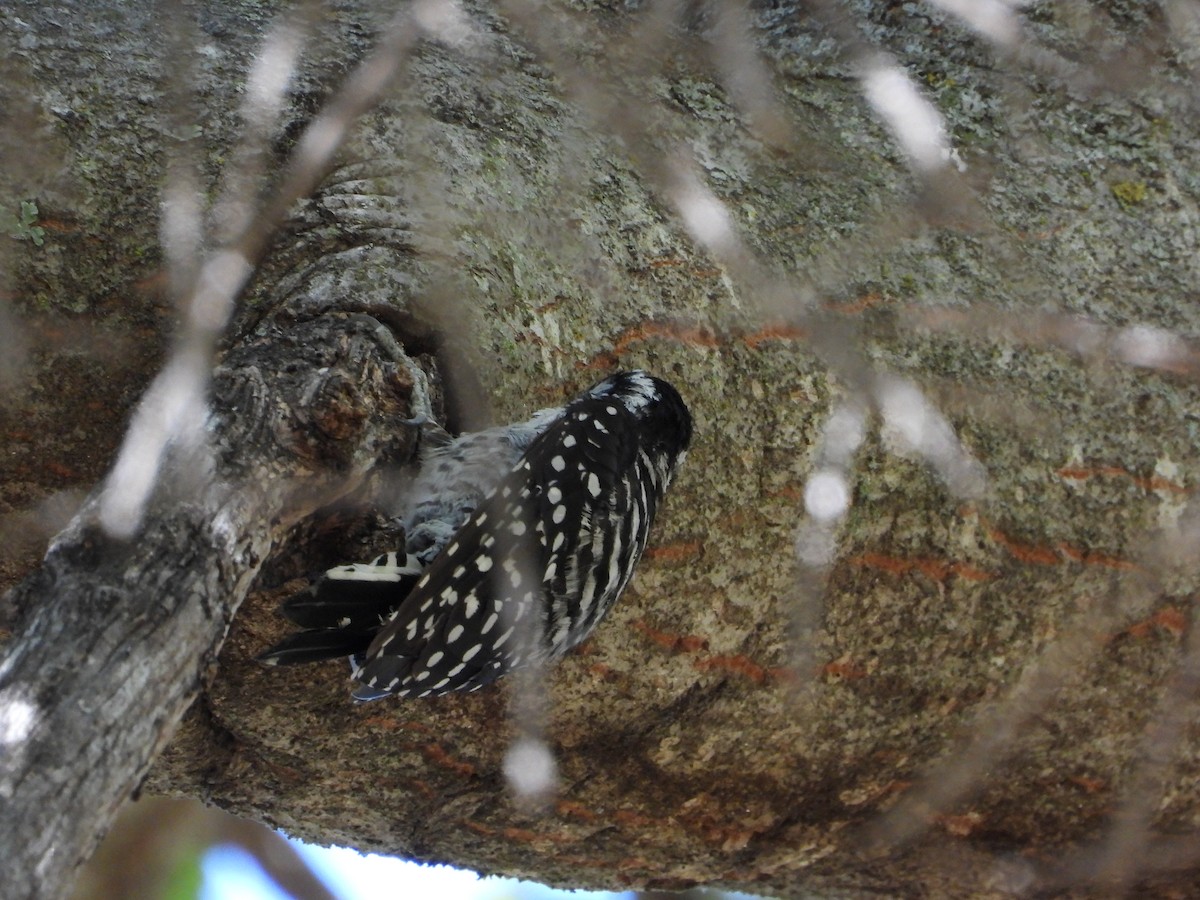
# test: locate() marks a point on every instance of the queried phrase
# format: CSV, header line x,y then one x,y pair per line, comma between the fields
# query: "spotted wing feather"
x,y
584,512
481,608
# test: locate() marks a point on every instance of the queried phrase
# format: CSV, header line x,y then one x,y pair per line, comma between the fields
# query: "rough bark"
x,y
113,639
984,671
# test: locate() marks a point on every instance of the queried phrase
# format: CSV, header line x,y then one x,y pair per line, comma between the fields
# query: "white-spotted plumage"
x,y
519,540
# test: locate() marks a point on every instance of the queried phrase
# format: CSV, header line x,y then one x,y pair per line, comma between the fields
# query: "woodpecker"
x,y
518,540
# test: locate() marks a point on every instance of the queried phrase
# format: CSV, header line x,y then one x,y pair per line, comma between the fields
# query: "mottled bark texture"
x,y
113,640
977,679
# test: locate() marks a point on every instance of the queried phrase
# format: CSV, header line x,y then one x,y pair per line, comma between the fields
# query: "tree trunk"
x,y
985,686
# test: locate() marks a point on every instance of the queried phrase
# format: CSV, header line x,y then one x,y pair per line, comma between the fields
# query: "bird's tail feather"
x,y
343,610
315,645
356,597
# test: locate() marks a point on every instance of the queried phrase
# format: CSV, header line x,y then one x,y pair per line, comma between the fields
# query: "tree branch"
x,y
118,637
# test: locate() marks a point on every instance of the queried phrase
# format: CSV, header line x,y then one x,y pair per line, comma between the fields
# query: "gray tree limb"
x,y
115,639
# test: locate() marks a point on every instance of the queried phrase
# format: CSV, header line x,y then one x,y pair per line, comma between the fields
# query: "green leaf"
x,y
186,880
